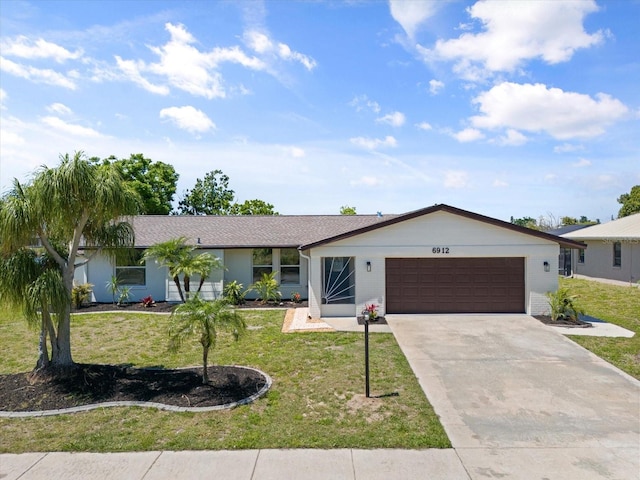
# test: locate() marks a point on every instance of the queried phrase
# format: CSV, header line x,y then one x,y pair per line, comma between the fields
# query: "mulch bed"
x,y
89,384
167,307
546,319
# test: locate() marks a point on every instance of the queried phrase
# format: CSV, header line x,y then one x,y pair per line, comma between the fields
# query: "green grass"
x,y
615,304
317,399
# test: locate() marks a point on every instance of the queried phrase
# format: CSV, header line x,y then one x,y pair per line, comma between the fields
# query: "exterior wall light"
x,y
368,266
547,267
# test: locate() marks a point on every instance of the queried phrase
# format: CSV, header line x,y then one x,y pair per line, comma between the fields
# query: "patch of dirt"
x,y
88,383
546,319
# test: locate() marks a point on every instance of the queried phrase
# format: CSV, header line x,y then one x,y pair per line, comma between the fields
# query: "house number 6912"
x,y
443,250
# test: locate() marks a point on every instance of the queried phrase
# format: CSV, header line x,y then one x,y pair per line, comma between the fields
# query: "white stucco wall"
x,y
598,261
416,238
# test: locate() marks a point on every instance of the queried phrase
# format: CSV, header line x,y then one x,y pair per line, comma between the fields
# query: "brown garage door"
x,y
455,285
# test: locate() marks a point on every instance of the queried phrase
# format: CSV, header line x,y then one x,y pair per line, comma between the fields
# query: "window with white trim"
x,y
338,280
129,271
289,266
581,255
262,262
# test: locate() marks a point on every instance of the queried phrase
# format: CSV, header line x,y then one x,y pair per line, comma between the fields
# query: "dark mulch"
x,y
167,307
546,319
88,384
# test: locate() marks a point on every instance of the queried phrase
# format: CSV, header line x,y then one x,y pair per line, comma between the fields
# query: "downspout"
x,y
308,259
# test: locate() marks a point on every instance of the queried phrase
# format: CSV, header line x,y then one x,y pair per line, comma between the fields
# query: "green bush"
x,y
80,294
234,292
563,306
267,288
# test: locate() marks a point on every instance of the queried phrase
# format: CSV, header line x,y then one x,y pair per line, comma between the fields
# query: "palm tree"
x,y
33,283
203,319
178,257
76,201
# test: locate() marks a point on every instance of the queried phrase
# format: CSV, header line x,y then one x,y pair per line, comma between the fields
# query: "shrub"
x,y
125,294
234,292
80,294
296,297
267,288
563,306
148,301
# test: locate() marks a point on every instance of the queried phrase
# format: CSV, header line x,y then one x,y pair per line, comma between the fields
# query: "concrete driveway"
x,y
519,400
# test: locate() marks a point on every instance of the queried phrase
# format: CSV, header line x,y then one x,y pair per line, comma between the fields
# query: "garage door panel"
x,y
455,285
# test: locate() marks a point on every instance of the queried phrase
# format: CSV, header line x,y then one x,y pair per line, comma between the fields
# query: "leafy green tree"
x,y
179,258
211,196
347,210
155,182
203,319
630,202
526,222
73,202
252,207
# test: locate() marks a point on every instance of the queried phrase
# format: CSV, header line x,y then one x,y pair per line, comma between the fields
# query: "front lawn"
x,y
316,401
614,304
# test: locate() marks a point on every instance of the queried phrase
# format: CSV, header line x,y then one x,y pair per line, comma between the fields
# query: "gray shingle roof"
x,y
248,231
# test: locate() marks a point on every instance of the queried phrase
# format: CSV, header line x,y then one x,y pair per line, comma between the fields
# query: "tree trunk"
x,y
205,356
43,353
176,280
187,286
63,358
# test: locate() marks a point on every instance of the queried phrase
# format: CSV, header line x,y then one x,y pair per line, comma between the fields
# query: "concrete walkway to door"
x,y
521,401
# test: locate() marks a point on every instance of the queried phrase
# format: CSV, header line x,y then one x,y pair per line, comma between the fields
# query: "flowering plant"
x,y
371,310
148,301
296,297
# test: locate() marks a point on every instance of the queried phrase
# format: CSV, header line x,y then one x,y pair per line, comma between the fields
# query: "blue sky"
x,y
501,108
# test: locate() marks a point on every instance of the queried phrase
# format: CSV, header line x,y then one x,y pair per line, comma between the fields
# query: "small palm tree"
x,y
178,257
203,319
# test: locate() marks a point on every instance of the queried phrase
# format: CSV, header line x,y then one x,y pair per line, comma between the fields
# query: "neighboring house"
x,y
565,256
434,260
613,250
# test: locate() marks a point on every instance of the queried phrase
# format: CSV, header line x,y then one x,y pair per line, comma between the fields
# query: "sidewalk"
x,y
303,464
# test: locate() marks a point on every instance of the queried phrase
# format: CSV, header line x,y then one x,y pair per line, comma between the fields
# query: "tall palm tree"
x,y
203,319
75,202
179,258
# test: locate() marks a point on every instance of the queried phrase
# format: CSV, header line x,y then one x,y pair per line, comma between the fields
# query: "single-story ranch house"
x,y
438,259
613,250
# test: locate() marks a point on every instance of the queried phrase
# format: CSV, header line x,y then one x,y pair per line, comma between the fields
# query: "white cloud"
x,y
131,71
424,126
411,14
360,102
435,86
374,143
456,179
185,67
3,97
395,119
536,108
583,162
188,118
366,181
77,130
515,32
296,152
23,47
468,135
567,148
37,75
512,138
260,43
59,108
499,183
